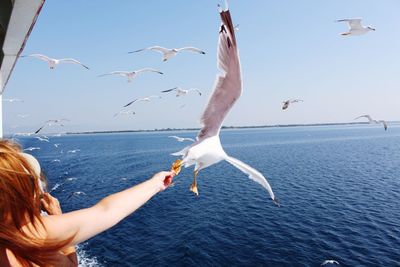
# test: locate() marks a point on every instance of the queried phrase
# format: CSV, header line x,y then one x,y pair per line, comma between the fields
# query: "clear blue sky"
x,y
289,49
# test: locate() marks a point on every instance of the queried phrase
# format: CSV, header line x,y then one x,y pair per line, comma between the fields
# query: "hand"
x,y
163,179
50,204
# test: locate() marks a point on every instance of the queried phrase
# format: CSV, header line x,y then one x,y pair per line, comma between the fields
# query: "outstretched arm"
x,y
86,223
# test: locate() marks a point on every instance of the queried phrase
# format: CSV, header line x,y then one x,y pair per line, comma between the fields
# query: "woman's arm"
x,y
86,223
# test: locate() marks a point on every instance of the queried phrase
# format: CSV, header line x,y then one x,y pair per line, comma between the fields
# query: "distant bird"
x,y
73,151
52,62
147,99
31,148
355,27
130,75
169,53
287,102
125,112
56,160
330,262
181,139
71,179
179,91
50,123
56,145
23,116
78,193
42,139
372,121
207,150
11,100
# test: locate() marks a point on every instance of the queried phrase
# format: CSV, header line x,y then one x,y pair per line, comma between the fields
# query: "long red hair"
x,y
20,204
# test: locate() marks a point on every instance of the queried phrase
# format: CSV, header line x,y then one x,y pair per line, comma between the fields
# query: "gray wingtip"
x,y
276,202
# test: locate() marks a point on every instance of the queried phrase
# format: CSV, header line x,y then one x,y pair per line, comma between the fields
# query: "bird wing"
x,y
73,61
155,48
192,49
38,130
39,56
384,124
254,175
228,86
148,70
365,116
174,136
189,139
353,23
130,103
197,90
122,73
169,90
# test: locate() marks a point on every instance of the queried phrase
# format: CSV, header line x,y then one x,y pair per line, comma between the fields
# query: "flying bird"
x,y
42,139
11,100
372,121
130,75
180,92
207,150
147,99
355,27
50,123
330,262
73,151
78,193
57,145
31,148
287,102
169,53
125,112
181,139
53,62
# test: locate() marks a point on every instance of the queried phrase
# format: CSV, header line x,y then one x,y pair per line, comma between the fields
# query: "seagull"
x,y
125,112
31,148
71,179
50,123
130,75
11,100
23,116
355,27
207,150
78,193
73,151
147,99
42,139
181,139
168,53
56,145
56,160
287,102
53,61
330,262
372,121
180,91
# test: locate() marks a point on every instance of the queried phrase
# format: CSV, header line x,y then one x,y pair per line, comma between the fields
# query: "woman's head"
x,y
20,188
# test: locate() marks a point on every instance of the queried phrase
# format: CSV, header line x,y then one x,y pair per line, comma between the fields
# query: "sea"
x,y
338,188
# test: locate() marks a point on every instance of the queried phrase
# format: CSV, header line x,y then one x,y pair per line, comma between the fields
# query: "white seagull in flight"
x,y
372,121
330,262
125,112
130,75
53,62
11,100
287,102
50,123
355,27
180,92
207,150
181,139
147,99
168,53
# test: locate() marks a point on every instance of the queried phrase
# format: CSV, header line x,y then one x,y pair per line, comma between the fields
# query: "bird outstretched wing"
x,y
353,23
73,61
228,85
192,49
39,56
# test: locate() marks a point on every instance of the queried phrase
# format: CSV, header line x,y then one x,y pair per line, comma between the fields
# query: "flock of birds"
x,y
206,150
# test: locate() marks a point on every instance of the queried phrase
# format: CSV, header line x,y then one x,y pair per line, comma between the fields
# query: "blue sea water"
x,y
338,186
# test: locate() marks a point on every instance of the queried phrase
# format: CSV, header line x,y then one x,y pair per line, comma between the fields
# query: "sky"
x,y
288,49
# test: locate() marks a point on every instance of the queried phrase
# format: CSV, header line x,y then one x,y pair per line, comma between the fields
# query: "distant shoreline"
x,y
226,127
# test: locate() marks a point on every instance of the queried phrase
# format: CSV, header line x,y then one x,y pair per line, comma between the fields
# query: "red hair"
x,y
20,204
